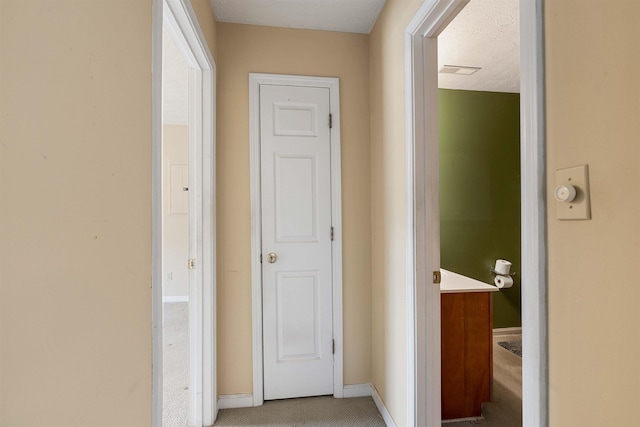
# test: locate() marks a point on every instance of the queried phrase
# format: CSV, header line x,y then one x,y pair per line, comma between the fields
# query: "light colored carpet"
x,y
506,408
323,411
175,364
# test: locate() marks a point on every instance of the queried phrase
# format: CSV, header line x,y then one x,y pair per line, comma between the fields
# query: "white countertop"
x,y
456,283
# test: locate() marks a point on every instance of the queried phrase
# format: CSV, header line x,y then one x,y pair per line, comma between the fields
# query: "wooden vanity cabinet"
x,y
467,353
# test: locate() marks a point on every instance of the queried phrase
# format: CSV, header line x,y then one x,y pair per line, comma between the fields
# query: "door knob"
x,y
271,258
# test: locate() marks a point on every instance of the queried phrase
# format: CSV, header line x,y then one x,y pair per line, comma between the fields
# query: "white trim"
x,y
336,222
209,252
196,279
505,332
332,83
423,313
386,416
180,298
232,401
535,382
192,42
357,390
423,213
256,243
180,20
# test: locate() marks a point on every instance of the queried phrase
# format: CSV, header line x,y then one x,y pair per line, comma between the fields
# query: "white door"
x,y
296,229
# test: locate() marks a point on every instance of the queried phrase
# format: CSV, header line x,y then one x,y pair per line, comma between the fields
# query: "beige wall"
x,y
593,117
208,24
75,216
244,49
175,226
75,211
388,206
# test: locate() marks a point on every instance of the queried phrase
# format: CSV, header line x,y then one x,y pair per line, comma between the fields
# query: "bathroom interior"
x,y
480,221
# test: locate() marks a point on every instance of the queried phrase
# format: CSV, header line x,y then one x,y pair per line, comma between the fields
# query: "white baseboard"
x,y
386,416
501,332
357,390
230,401
176,299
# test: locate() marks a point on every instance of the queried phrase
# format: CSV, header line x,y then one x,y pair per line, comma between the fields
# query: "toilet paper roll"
x,y
503,282
502,267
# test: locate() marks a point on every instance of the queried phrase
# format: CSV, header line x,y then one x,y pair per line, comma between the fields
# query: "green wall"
x,y
480,190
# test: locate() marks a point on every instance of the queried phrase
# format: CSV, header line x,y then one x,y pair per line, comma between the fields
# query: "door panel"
x,y
296,198
297,316
296,222
295,119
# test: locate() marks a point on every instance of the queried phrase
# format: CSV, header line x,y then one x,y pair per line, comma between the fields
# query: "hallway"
x,y
323,411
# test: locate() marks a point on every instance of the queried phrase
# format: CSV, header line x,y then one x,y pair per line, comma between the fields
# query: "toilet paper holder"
x,y
491,269
502,268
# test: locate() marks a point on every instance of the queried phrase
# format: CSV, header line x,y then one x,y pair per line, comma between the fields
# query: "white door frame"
x,y
423,302
179,19
332,83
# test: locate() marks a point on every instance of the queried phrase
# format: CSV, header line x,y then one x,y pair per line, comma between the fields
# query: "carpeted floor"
x,y
323,411
175,364
504,411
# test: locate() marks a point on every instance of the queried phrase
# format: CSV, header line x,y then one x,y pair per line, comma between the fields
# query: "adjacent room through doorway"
x,y
480,219
175,234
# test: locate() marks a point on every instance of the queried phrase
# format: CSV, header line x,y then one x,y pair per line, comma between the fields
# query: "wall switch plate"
x,y
580,206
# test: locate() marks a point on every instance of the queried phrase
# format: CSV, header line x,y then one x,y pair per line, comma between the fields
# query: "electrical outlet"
x,y
170,275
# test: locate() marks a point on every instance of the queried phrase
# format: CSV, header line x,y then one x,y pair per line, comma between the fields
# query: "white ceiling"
x,y
485,34
351,16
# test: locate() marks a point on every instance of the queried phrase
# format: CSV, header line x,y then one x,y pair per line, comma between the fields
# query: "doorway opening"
x,y
322,168
421,53
183,198
176,236
479,168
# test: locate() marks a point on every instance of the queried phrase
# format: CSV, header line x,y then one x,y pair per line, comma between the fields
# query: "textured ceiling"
x,y
351,16
175,84
485,34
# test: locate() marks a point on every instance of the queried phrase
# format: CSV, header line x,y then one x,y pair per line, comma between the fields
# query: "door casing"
x,y
180,20
332,83
423,309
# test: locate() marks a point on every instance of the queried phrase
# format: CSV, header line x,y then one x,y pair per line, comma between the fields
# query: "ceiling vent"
x,y
459,69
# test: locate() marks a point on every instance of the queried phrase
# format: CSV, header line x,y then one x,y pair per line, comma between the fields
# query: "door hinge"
x,y
332,234
330,121
191,264
260,258
334,346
